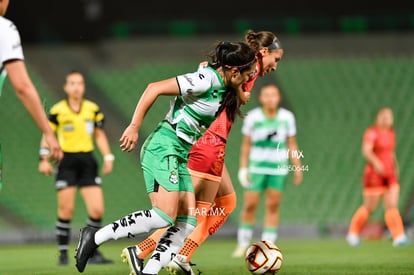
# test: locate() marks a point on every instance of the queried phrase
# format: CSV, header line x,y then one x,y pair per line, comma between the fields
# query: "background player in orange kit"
x,y
380,179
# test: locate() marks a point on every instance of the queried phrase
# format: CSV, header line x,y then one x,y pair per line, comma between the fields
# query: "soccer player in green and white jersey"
x,y
12,64
269,141
164,155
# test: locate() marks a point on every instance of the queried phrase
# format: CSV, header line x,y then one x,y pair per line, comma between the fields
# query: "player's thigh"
x,y
66,201
205,189
251,200
66,196
186,204
206,164
165,200
226,185
371,201
273,198
391,197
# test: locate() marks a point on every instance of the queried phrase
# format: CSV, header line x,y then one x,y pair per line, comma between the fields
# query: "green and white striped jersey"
x,y
196,108
268,151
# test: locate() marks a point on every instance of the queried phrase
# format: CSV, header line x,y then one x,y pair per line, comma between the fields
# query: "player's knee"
x,y
96,214
65,212
272,206
250,207
173,212
369,208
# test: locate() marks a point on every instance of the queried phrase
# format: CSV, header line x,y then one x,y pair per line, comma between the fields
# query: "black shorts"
x,y
77,169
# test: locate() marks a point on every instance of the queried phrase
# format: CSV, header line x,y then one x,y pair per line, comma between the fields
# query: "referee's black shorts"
x,y
77,169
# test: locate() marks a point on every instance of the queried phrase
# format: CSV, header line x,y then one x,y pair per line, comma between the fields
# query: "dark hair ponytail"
x,y
231,104
258,40
228,55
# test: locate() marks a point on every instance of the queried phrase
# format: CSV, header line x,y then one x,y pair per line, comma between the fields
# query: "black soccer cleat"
x,y
63,258
86,247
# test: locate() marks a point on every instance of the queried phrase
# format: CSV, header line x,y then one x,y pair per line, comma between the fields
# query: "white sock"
x,y
131,225
269,234
401,238
244,235
168,246
138,250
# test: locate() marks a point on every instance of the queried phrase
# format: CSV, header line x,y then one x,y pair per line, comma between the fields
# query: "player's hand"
x,y
203,64
56,153
298,177
244,177
107,167
244,97
45,167
129,139
378,167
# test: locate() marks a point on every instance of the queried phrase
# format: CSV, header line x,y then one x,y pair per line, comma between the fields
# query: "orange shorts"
x,y
206,157
375,184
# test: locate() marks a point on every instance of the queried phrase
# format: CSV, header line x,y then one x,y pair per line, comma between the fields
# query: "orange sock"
x,y
358,220
148,245
218,215
394,222
223,207
189,248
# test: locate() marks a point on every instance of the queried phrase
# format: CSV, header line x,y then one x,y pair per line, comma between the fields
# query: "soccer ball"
x,y
263,258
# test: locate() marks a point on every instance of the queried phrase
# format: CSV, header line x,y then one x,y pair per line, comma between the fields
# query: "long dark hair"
x,y
228,55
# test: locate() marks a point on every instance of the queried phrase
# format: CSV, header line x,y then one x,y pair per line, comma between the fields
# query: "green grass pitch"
x,y
300,257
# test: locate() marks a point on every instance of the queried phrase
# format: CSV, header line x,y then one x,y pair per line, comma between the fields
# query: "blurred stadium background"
x,y
341,64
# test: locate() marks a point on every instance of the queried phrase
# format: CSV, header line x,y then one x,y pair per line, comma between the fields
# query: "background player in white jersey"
x,y
12,64
268,142
164,156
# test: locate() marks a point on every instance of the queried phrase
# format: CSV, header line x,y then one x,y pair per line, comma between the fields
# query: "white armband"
x,y
44,151
109,157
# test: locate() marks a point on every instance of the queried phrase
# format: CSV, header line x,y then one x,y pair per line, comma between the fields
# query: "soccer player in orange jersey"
x,y
380,180
215,195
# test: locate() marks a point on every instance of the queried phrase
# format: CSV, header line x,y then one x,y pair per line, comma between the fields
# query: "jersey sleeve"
x,y
99,116
247,127
369,136
195,83
53,114
10,45
99,119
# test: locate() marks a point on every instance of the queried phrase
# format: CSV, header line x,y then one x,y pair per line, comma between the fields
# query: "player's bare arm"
x,y
169,87
28,95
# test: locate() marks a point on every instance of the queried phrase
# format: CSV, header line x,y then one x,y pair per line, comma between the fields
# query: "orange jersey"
x,y
383,146
383,142
206,157
221,126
